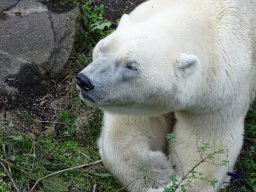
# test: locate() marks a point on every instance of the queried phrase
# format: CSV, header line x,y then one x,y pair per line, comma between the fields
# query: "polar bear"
x,y
194,59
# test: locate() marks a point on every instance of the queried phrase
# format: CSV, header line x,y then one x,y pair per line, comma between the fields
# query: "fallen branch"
x,y
9,175
94,187
12,165
64,170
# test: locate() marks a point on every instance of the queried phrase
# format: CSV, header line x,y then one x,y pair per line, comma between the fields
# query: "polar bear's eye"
x,y
131,66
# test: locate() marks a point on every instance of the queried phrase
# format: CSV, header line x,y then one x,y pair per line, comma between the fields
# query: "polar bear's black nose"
x,y
84,82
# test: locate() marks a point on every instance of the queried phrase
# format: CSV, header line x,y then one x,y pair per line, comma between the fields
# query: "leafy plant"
x,y
83,59
171,138
95,25
4,185
68,121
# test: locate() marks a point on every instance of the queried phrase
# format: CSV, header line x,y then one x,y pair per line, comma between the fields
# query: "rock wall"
x,y
35,44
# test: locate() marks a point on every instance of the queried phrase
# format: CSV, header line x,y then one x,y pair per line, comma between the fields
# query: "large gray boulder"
x,y
35,44
7,4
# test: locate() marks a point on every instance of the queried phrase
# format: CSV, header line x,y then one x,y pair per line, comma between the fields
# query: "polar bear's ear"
x,y
124,19
187,64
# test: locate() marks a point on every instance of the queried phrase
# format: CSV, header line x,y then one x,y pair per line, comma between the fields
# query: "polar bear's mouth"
x,y
86,97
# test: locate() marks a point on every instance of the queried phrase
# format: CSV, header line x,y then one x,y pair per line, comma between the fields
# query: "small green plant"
x,y
4,185
68,121
95,25
83,59
171,138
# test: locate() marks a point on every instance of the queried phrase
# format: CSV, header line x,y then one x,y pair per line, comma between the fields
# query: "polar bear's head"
x,y
135,70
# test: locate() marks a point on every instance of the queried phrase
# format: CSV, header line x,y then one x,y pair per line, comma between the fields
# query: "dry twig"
x,y
9,175
64,170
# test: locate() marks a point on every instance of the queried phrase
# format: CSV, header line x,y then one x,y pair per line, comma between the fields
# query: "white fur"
x,y
195,58
134,150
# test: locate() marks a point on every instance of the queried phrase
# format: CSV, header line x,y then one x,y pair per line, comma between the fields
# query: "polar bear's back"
x,y
211,10
152,7
149,8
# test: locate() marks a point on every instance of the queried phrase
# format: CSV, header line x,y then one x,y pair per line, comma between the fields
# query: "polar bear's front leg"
x,y
206,149
133,150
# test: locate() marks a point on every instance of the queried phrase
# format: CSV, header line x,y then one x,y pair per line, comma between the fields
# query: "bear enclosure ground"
x,y
48,142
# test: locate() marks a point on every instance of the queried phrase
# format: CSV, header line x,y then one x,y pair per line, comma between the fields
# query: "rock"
x,y
7,4
63,26
9,65
35,44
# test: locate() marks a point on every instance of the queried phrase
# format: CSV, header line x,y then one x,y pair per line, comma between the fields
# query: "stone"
x,y
7,4
63,28
9,65
36,39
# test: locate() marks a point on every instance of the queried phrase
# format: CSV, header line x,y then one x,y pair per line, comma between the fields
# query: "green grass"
x,y
29,158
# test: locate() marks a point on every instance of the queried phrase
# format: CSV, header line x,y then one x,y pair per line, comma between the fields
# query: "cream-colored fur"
x,y
134,150
193,58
